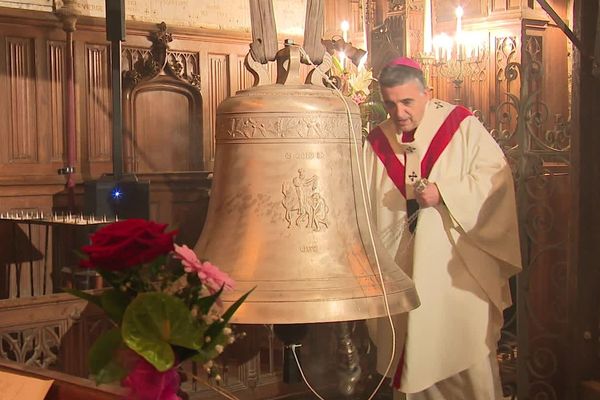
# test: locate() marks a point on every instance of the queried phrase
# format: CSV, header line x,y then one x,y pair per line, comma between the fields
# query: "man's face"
x,y
405,104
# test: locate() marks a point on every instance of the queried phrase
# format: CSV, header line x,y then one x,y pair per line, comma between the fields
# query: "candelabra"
x,y
454,58
461,68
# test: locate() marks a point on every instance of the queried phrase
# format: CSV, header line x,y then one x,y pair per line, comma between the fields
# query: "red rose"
x,y
126,243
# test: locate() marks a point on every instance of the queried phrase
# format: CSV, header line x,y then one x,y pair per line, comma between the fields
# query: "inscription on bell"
x,y
313,248
305,155
303,203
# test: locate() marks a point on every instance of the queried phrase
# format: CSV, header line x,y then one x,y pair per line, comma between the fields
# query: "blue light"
x,y
116,193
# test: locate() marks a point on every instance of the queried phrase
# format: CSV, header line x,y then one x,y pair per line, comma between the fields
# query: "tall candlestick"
x,y
427,28
458,36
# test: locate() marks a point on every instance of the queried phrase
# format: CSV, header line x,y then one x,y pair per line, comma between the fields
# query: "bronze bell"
x,y
286,213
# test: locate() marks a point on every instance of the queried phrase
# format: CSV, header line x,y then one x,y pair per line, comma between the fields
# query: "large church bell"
x,y
286,214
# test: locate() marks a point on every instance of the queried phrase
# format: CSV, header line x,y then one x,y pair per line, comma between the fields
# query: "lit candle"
x,y
436,47
427,28
458,37
345,25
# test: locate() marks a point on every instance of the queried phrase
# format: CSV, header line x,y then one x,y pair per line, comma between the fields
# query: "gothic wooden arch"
x,y
162,108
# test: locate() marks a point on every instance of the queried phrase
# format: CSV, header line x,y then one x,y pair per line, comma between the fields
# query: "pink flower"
x,y
147,383
208,273
359,98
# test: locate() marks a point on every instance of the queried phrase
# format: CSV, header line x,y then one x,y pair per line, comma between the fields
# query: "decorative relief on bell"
x,y
304,205
326,127
304,155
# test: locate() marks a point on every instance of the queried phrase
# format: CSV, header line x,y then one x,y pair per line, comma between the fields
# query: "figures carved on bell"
x,y
303,203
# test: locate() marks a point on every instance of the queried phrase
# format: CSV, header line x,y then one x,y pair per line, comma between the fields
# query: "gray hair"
x,y
396,75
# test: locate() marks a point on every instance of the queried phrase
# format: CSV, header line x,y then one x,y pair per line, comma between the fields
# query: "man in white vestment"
x,y
443,202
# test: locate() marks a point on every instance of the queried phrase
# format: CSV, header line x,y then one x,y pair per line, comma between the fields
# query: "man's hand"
x,y
428,197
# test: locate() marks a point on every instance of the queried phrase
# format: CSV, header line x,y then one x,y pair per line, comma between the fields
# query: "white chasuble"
x,y
462,252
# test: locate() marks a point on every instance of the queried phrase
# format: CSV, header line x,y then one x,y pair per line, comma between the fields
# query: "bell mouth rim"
x,y
348,309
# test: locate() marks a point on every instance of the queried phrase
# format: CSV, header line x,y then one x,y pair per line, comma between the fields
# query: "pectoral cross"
x,y
413,176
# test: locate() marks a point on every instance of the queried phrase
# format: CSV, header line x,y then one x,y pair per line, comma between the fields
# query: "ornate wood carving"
x,y
445,10
218,91
98,103
22,92
42,331
387,41
245,78
56,73
143,64
169,81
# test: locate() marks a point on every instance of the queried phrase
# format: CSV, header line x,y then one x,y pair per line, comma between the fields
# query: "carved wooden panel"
x,y
503,5
513,4
244,77
218,91
98,102
335,12
498,5
56,75
166,130
445,10
41,331
503,115
20,61
414,30
162,107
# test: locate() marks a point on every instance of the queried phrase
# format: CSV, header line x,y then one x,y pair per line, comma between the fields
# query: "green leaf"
x,y
337,66
233,308
204,356
208,351
86,296
205,303
153,322
114,302
104,366
215,328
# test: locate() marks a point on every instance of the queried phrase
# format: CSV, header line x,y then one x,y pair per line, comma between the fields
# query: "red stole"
x,y
393,166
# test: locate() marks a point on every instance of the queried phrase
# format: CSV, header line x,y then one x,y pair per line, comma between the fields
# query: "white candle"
x,y
458,37
345,25
427,28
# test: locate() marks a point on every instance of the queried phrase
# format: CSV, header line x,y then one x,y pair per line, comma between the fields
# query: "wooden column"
x,y
585,230
68,15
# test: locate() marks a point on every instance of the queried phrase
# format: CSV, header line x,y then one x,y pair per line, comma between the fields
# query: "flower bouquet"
x,y
164,303
355,82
